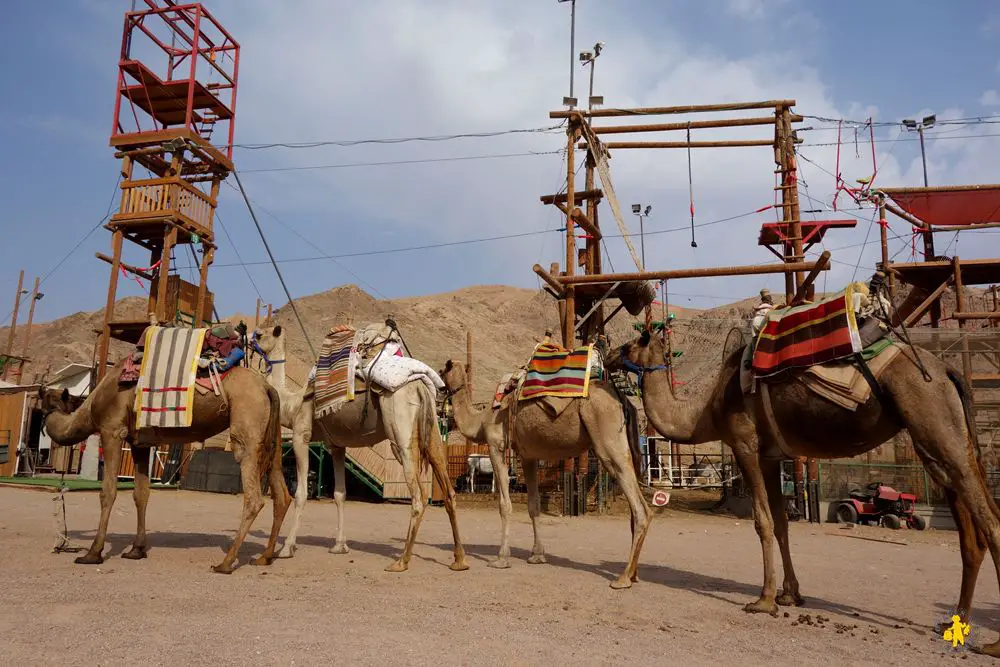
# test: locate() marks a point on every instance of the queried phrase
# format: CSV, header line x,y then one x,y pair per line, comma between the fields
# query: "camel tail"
x,y
272,432
965,394
426,426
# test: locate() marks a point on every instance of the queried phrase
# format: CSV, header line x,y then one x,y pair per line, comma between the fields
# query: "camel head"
x,y
454,377
53,400
648,351
269,340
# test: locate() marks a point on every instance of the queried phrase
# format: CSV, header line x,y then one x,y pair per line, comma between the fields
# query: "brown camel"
x,y
596,421
406,417
252,417
936,414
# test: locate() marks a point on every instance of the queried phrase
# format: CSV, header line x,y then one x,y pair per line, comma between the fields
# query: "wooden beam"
x,y
939,188
922,309
977,315
551,280
693,125
580,218
578,196
663,111
822,264
750,143
900,213
753,269
128,267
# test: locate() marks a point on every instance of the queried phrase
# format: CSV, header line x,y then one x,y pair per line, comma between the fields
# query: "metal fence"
x,y
837,479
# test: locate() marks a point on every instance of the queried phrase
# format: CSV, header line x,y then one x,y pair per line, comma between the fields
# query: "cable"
x,y
238,257
72,250
400,140
281,278
349,165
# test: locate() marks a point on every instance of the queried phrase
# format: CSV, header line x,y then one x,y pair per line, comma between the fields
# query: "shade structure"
x,y
950,206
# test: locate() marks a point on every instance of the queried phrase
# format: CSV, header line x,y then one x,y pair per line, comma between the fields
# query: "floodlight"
x,y
596,100
648,209
636,208
929,120
586,56
910,124
39,295
569,101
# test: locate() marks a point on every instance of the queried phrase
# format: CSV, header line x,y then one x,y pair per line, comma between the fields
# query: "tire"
x,y
918,522
846,513
891,521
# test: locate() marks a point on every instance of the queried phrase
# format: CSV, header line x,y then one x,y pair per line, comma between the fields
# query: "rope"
x,y
63,543
694,244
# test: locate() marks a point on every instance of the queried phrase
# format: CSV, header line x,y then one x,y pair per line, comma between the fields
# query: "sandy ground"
x,y
696,573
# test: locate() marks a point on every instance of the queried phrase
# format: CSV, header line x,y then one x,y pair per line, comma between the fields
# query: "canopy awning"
x,y
946,206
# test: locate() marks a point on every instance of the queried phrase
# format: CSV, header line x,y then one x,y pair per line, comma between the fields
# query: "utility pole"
x,y
35,297
914,126
13,323
637,210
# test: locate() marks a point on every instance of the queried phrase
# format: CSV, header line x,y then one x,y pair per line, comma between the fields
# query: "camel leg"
x,y
300,446
973,547
408,458
747,455
280,501
141,496
611,447
339,495
534,509
253,501
439,465
111,441
771,470
502,479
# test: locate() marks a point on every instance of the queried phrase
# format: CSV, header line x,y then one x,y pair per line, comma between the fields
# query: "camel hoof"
x,y
537,559
459,566
339,549
619,584
992,650
398,566
89,559
761,607
287,551
135,553
499,564
222,569
790,600
262,560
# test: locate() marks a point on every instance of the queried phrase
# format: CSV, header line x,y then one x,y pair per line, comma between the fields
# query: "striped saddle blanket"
x,y
555,371
164,395
807,335
335,369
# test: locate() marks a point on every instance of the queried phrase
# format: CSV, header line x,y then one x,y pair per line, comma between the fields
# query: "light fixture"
x,y
909,124
636,208
569,101
39,295
648,209
586,56
929,121
596,100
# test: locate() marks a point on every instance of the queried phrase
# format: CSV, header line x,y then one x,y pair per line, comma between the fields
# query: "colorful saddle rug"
x,y
164,395
335,370
807,335
555,371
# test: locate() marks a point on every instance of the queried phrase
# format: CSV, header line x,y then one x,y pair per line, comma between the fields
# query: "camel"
x,y
936,413
251,416
595,421
406,417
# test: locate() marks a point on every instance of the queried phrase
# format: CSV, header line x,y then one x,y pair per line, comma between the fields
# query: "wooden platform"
x,y
931,274
205,158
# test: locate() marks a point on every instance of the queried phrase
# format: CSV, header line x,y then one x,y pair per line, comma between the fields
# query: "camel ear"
x,y
277,331
64,397
448,365
644,338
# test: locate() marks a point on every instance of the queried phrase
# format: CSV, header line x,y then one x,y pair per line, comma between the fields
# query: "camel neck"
x,y
77,426
467,418
674,419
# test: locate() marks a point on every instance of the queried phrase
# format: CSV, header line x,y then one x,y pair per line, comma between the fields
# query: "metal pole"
x,y
572,43
923,155
928,235
642,241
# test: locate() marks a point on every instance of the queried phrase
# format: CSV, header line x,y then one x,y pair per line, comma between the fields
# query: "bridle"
x,y
268,362
640,371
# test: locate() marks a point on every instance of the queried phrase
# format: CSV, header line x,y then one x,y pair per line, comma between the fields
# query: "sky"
x,y
338,70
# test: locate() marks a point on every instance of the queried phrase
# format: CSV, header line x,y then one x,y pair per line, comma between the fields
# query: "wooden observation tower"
x,y
176,95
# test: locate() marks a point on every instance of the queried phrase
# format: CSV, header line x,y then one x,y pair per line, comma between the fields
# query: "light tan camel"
x,y
596,421
936,414
252,419
406,417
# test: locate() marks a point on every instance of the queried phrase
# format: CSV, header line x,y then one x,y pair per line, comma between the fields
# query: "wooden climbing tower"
x,y
174,119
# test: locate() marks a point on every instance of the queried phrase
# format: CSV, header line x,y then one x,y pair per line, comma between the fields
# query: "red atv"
x,y
881,505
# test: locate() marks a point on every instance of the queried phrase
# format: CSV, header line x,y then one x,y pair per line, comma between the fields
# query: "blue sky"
x,y
314,71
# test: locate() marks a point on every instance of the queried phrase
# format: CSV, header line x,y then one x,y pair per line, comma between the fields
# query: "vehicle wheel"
x,y
918,522
891,521
847,514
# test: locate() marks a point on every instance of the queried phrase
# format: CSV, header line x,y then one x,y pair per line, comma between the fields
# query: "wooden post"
x,y
267,322
109,306
27,332
884,239
468,360
206,261
791,183
780,148
13,323
960,308
256,317
162,277
569,321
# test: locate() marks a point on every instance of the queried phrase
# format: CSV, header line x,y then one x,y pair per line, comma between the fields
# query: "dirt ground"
x,y
696,573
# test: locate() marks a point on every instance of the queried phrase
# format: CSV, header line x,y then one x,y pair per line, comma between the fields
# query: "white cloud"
x,y
990,98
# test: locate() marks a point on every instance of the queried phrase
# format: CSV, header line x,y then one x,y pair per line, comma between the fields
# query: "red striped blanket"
x,y
807,335
554,371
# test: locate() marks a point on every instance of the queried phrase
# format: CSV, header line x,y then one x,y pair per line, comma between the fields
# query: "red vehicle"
x,y
881,505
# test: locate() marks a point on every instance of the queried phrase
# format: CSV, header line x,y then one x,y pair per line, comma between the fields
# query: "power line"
x,y
927,137
241,263
397,140
291,302
389,163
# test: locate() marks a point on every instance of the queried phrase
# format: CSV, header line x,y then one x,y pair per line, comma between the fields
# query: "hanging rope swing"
x,y
694,244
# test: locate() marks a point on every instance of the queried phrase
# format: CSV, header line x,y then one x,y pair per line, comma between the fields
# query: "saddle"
x,y
221,351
